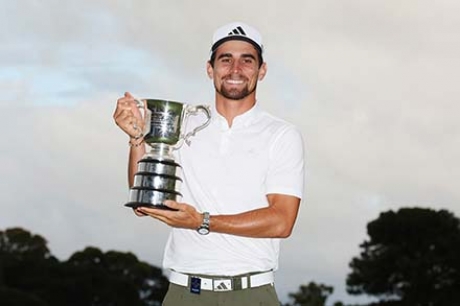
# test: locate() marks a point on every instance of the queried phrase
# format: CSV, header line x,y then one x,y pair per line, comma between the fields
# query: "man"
x,y
243,182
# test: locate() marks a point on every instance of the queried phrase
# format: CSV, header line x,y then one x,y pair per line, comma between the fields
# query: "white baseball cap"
x,y
237,31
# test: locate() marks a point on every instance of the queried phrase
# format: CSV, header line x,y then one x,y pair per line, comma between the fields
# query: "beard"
x,y
234,93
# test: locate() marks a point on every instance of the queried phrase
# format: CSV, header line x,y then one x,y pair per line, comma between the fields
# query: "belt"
x,y
223,283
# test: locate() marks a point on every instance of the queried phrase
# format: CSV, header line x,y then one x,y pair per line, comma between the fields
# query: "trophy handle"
x,y
194,110
145,113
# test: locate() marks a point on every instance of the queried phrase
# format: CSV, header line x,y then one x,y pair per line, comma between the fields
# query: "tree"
x,y
31,275
13,297
98,278
412,258
310,295
22,244
24,260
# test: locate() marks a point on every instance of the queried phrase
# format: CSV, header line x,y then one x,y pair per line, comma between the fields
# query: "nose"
x,y
236,67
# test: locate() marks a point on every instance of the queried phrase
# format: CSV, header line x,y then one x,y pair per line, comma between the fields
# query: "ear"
x,y
209,70
262,71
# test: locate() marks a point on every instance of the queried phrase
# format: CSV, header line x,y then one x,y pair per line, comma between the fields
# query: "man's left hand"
x,y
183,215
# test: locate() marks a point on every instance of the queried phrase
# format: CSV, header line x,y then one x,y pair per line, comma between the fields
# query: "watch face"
x,y
203,230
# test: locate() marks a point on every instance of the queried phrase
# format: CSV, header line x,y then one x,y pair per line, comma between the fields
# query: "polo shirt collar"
x,y
240,121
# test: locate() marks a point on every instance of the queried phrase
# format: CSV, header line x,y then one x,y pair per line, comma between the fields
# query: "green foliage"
x,y
29,273
412,258
14,297
22,244
25,260
310,295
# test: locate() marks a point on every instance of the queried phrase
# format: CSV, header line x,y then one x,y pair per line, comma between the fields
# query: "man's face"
x,y
236,70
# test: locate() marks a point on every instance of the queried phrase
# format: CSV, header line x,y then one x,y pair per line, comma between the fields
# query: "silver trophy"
x,y
159,177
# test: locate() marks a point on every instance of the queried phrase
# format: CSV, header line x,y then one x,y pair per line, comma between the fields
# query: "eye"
x,y
248,62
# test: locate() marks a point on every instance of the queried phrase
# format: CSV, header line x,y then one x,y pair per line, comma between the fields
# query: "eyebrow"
x,y
245,55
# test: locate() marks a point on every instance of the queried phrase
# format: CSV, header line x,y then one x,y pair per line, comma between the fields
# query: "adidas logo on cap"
x,y
238,31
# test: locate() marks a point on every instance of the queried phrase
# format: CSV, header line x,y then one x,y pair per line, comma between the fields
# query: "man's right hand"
x,y
128,116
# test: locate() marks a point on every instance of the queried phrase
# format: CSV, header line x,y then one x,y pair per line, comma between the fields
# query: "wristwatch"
x,y
204,227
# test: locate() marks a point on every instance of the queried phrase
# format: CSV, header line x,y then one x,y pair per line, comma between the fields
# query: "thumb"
x,y
128,95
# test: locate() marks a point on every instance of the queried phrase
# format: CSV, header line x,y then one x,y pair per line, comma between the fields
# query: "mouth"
x,y
231,81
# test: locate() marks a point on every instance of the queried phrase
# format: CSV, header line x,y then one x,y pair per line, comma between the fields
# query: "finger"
x,y
139,213
128,102
132,102
172,204
123,104
136,108
124,119
122,114
125,99
153,212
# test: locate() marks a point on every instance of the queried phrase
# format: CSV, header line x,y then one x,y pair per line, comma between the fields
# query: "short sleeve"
x,y
286,165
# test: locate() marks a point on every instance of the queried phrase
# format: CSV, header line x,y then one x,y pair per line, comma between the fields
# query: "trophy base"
x,y
153,198
157,206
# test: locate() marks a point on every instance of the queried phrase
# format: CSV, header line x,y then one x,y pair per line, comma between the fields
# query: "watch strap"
x,y
204,227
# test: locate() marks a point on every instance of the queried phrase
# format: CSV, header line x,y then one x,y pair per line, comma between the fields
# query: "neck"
x,y
230,109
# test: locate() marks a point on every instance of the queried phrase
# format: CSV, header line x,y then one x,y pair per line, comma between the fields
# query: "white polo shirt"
x,y
229,171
